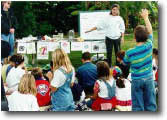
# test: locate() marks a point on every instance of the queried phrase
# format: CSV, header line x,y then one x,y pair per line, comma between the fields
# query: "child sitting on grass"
x,y
104,89
43,87
63,79
15,74
123,91
25,98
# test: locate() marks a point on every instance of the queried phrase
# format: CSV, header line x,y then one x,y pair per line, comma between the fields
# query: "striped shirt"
x,y
140,59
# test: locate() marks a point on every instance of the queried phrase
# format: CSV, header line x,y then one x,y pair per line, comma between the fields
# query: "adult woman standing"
x,y
114,31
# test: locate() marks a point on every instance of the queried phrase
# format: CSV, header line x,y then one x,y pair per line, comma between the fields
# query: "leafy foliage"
x,y
26,19
44,17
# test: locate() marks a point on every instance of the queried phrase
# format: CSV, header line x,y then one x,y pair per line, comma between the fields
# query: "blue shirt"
x,y
87,74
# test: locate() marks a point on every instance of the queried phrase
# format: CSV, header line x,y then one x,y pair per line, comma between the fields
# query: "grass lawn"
x,y
75,56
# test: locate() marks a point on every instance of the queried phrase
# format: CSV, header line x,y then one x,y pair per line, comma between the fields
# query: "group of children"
x,y
29,90
121,88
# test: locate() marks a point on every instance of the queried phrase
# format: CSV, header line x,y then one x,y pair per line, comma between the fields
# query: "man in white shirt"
x,y
114,28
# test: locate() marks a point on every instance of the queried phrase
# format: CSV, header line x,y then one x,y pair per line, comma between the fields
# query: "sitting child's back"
x,y
25,98
123,91
104,89
22,102
43,87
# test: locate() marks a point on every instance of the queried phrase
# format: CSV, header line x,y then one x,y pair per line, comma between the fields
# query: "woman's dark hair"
x,y
120,54
19,60
103,70
37,73
141,33
113,6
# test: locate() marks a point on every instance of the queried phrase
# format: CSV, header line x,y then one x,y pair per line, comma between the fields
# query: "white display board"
x,y
88,20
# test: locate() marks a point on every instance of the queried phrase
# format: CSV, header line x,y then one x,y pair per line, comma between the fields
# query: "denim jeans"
x,y
143,95
10,39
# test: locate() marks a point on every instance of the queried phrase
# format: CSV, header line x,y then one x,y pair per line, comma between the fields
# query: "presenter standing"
x,y
114,28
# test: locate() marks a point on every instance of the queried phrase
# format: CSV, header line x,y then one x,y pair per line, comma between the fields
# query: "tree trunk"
x,y
87,5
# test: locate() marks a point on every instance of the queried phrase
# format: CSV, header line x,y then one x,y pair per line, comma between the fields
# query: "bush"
x,y
45,28
128,31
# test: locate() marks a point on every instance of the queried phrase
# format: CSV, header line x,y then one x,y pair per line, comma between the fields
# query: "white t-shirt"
x,y
22,102
124,94
103,91
113,26
59,78
14,77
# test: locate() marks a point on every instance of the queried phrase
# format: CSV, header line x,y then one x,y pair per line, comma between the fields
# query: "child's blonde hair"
x,y
60,58
27,85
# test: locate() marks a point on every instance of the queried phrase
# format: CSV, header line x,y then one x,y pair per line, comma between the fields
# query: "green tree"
x,y
44,17
130,11
26,19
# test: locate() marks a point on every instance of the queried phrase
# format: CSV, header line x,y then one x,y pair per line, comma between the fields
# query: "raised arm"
x,y
94,28
144,13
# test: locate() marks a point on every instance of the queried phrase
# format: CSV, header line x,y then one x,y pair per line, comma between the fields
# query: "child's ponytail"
x,y
120,82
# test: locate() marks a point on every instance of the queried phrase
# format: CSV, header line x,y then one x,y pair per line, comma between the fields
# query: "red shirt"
x,y
43,92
